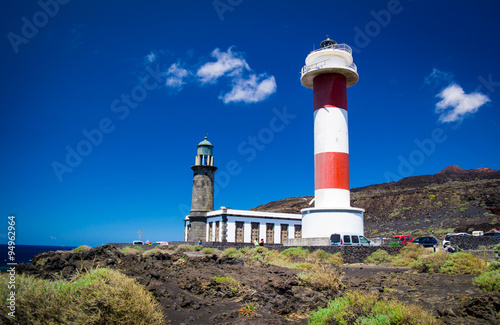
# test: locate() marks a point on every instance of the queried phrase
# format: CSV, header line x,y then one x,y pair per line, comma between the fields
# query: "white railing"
x,y
341,47
321,64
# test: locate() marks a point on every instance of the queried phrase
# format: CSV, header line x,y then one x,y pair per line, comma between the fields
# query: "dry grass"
x,y
101,296
320,256
410,253
379,257
321,277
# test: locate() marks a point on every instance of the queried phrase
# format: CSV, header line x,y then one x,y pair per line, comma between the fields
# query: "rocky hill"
x,y
453,199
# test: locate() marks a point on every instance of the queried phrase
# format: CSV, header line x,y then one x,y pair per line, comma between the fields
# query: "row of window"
x,y
255,231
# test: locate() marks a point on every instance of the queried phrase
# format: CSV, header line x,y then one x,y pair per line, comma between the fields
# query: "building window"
x,y
270,233
255,231
284,232
298,231
239,231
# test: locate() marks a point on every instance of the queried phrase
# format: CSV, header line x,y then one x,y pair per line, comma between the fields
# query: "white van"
x,y
349,240
446,240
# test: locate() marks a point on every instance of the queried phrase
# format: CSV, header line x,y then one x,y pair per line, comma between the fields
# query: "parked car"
x,y
426,241
342,239
162,243
446,240
404,239
138,242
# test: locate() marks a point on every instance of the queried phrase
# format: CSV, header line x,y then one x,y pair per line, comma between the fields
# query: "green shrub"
x,y
409,254
130,251
301,266
198,248
463,263
275,258
42,261
210,250
368,308
259,254
185,248
155,250
321,277
228,283
336,259
101,296
260,249
320,256
82,249
489,281
430,263
246,251
379,256
295,252
231,252
494,265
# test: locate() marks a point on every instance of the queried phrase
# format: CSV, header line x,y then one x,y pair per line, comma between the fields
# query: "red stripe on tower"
x,y
330,90
332,170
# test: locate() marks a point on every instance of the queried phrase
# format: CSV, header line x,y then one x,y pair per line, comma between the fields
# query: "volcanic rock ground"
x,y
187,293
451,200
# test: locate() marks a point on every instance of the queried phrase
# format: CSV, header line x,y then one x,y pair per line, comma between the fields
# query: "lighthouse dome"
x,y
205,147
327,43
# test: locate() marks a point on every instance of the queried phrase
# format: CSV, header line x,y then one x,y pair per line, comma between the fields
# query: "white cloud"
x,y
455,103
176,76
240,82
250,90
228,63
151,57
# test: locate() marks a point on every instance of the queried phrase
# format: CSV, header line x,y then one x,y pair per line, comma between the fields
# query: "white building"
x,y
228,225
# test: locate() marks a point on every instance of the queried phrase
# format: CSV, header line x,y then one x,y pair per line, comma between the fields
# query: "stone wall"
x,y
473,242
350,254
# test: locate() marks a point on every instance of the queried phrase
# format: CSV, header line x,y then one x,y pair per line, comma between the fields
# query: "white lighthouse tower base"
x,y
322,222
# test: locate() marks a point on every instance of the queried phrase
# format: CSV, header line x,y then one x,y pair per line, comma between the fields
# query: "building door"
x,y
298,231
284,232
217,227
270,233
239,231
255,231
210,230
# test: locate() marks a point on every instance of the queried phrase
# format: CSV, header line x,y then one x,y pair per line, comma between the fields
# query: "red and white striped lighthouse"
x,y
329,71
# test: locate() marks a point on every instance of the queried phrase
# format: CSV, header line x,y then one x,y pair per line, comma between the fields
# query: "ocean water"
x,y
24,253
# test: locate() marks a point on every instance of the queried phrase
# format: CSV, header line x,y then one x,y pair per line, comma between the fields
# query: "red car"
x,y
404,239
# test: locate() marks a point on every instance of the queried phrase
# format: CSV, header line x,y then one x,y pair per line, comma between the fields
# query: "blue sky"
x,y
104,102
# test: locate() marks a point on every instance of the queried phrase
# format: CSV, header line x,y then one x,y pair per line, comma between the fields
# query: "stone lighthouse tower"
x,y
329,71
203,191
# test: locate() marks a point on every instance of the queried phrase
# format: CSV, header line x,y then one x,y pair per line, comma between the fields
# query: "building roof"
x,y
205,142
254,214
